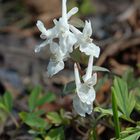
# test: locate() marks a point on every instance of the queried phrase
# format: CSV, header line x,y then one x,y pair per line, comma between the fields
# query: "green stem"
x,y
115,115
14,120
94,133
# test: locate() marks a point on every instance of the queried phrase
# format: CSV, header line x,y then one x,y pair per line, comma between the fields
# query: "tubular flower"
x,y
84,41
85,91
60,31
56,63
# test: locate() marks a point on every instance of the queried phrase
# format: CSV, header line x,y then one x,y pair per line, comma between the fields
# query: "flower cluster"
x,y
70,38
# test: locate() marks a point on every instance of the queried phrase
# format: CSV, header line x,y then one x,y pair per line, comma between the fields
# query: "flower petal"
x,y
75,31
71,40
54,67
54,47
93,80
87,31
86,93
64,10
41,27
90,49
72,12
89,69
82,108
50,33
77,76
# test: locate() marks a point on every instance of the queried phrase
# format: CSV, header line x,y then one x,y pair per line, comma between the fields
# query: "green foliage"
x,y
6,102
137,98
78,56
87,7
115,115
69,88
55,134
106,112
58,118
33,120
131,133
125,100
35,98
54,117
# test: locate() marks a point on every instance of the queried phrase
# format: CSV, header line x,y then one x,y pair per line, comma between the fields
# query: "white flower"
x,y
80,107
85,90
60,31
48,35
56,63
84,41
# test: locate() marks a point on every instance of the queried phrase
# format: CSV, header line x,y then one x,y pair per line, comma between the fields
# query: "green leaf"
x,y
78,56
8,101
49,97
65,117
115,115
54,117
134,136
106,111
3,107
69,88
109,112
98,68
33,120
55,134
125,100
33,98
137,98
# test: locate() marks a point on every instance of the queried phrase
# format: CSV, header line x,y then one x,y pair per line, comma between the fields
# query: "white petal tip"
x,y
76,9
38,22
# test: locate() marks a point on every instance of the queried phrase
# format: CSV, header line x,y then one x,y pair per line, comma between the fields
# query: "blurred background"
x,y
116,29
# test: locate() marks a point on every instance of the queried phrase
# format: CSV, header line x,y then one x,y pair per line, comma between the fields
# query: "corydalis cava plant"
x,y
70,38
83,101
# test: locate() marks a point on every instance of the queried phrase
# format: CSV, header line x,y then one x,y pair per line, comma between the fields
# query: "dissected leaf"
x,y
54,117
125,100
33,120
6,102
33,98
49,97
137,98
134,136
